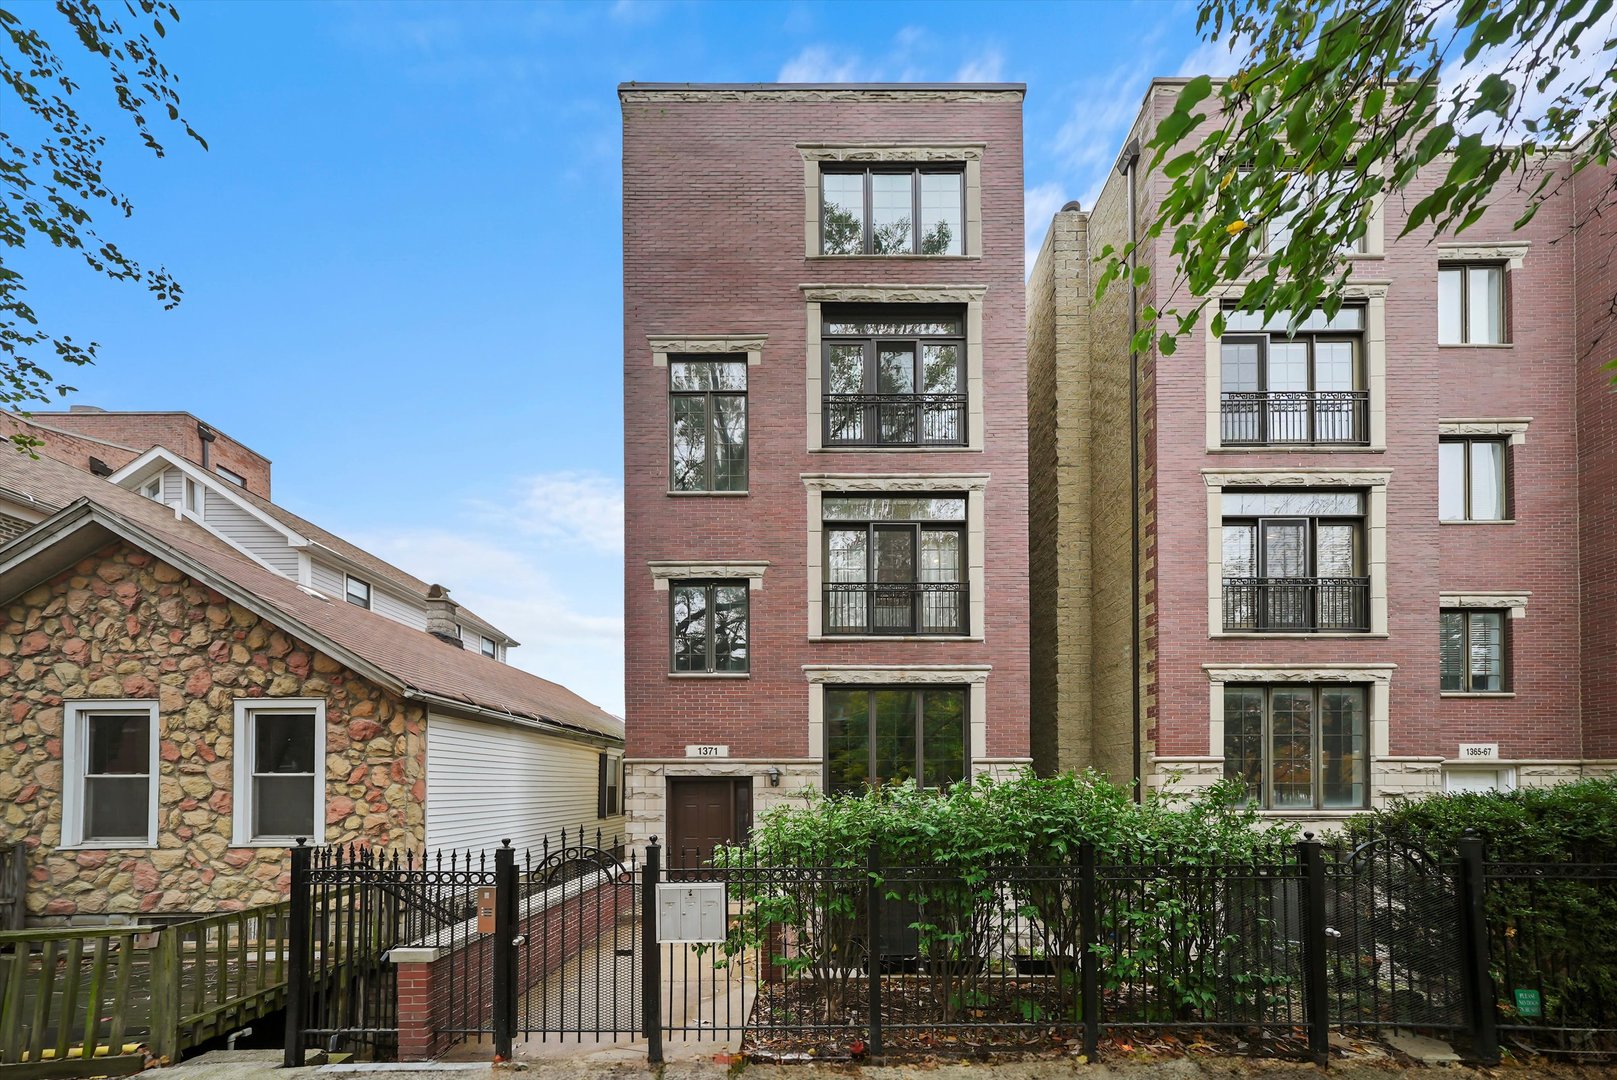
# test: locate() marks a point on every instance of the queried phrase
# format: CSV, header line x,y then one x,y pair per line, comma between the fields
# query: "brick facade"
x,y
1558,718
123,625
139,432
714,244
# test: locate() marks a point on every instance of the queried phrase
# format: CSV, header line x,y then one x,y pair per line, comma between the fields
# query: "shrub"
x,y
1574,822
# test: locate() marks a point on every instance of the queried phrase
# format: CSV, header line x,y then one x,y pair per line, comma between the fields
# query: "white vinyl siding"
x,y
486,782
326,580
249,533
385,603
173,486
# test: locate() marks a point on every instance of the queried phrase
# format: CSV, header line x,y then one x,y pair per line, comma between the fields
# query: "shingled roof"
x,y
408,660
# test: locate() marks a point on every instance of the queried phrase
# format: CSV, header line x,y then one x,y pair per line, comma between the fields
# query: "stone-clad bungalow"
x,y
175,713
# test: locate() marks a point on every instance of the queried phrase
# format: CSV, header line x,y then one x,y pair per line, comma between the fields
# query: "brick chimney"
x,y
441,613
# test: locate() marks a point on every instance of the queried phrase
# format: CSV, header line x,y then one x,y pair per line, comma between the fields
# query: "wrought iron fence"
x,y
902,607
1297,605
895,419
1295,417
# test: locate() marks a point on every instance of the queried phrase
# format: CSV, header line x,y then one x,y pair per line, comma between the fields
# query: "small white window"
x,y
280,755
235,478
110,786
1457,780
359,593
488,648
193,497
153,488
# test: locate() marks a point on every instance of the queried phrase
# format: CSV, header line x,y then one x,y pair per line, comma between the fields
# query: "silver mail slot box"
x,y
690,911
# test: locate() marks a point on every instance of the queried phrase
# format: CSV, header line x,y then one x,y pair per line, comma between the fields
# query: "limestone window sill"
x,y
1333,815
1479,521
1364,256
1254,636
1477,693
894,637
707,494
1476,345
710,674
863,258
896,450
1296,449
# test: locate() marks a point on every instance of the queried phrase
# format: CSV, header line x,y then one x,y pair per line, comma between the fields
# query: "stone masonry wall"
x,y
122,624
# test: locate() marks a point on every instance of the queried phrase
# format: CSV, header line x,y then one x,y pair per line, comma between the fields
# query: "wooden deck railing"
x,y
82,1002
13,884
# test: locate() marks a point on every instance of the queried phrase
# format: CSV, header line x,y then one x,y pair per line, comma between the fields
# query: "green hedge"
x,y
1573,822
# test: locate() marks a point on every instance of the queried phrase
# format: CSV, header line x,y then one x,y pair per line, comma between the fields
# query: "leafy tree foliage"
x,y
53,178
1338,103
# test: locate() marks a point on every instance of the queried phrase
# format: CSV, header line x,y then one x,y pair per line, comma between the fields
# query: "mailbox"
x,y
485,910
691,911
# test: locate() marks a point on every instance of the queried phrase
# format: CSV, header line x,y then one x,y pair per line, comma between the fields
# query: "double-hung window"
x,y
893,210
280,769
110,749
707,423
1293,561
882,735
1471,304
1471,655
894,564
609,784
1303,387
358,592
1471,480
1298,747
709,626
894,376
487,647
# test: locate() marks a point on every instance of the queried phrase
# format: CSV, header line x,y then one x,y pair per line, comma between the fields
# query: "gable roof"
x,y
401,658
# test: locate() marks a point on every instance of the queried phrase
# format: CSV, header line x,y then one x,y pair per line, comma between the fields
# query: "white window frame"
x,y
242,811
74,747
153,488
347,591
192,498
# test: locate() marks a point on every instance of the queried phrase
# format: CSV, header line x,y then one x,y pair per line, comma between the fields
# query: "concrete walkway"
x,y
262,1065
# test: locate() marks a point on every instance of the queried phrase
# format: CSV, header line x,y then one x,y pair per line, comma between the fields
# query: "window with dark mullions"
x,y
1298,747
707,424
1293,561
709,626
1471,482
894,564
893,210
1471,654
883,735
1304,387
894,376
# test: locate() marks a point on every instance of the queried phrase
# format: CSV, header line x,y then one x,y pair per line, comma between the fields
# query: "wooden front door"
x,y
705,811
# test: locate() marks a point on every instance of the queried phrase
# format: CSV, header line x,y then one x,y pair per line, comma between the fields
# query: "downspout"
x,y
1128,164
205,434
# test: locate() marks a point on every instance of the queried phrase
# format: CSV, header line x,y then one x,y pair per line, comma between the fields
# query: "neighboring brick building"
x,y
1363,551
825,443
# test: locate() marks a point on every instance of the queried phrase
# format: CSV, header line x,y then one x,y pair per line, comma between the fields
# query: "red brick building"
x,y
1374,558
825,443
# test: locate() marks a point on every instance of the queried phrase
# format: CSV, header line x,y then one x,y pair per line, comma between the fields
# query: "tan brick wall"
x,y
123,625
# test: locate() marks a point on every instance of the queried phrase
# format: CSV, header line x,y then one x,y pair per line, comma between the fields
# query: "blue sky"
x,y
402,257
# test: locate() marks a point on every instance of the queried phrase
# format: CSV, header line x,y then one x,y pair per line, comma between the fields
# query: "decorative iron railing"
x,y
895,419
906,607
1295,417
1297,605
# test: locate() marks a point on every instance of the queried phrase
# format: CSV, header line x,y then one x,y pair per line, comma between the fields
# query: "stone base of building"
x,y
1392,779
646,785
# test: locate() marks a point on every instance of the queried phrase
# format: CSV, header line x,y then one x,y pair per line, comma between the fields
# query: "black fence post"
x,y
1088,935
298,953
504,948
1474,959
1316,994
873,921
651,1007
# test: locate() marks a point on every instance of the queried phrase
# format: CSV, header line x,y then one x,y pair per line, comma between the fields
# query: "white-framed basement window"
x,y
280,771
109,754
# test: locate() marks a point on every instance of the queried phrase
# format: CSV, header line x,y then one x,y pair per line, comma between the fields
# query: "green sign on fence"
x,y
1529,1002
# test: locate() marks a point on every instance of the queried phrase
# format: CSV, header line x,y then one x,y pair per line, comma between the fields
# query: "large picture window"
x,y
110,750
1293,561
1298,747
280,771
894,376
893,210
1472,652
707,423
709,621
1471,480
1302,387
895,564
878,735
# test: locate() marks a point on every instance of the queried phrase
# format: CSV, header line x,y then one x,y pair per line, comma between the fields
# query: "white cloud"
x,y
571,509
1088,142
986,66
1039,205
822,64
634,12
1216,58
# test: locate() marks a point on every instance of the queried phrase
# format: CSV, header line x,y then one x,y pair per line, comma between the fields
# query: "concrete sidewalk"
x,y
263,1065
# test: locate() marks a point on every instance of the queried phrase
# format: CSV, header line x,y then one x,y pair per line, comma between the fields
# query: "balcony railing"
x,y
1297,605
914,607
895,419
1295,417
